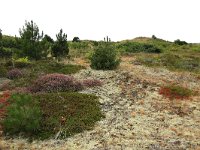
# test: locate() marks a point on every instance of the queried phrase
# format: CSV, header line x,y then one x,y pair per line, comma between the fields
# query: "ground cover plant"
x,y
56,115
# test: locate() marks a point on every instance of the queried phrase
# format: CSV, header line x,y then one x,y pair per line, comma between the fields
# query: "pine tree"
x,y
30,40
60,48
76,39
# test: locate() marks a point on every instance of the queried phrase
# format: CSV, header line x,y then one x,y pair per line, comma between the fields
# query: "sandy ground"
x,y
137,117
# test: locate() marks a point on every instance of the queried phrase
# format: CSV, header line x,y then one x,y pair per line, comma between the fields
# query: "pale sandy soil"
x,y
137,117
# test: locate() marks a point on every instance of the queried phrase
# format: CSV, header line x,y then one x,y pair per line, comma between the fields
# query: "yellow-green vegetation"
x,y
56,115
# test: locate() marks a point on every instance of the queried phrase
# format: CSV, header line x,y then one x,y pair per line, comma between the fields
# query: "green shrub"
x,y
76,39
135,47
105,58
10,41
154,37
5,52
60,48
179,42
23,115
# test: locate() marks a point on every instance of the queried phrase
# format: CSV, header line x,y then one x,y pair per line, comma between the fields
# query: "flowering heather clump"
x,y
14,74
4,103
91,83
175,92
55,83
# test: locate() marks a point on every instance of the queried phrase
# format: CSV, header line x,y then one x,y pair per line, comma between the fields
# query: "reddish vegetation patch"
x,y
4,103
175,92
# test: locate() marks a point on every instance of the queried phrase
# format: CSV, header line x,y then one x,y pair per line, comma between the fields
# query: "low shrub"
x,y
135,47
55,115
55,83
91,83
23,115
179,42
104,58
175,92
5,53
14,74
65,114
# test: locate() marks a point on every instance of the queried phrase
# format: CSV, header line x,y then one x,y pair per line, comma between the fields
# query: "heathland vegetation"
x,y
40,97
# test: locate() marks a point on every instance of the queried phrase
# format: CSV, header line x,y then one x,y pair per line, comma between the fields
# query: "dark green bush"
x,y
154,37
23,115
179,42
10,41
60,47
105,58
5,53
135,47
76,39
